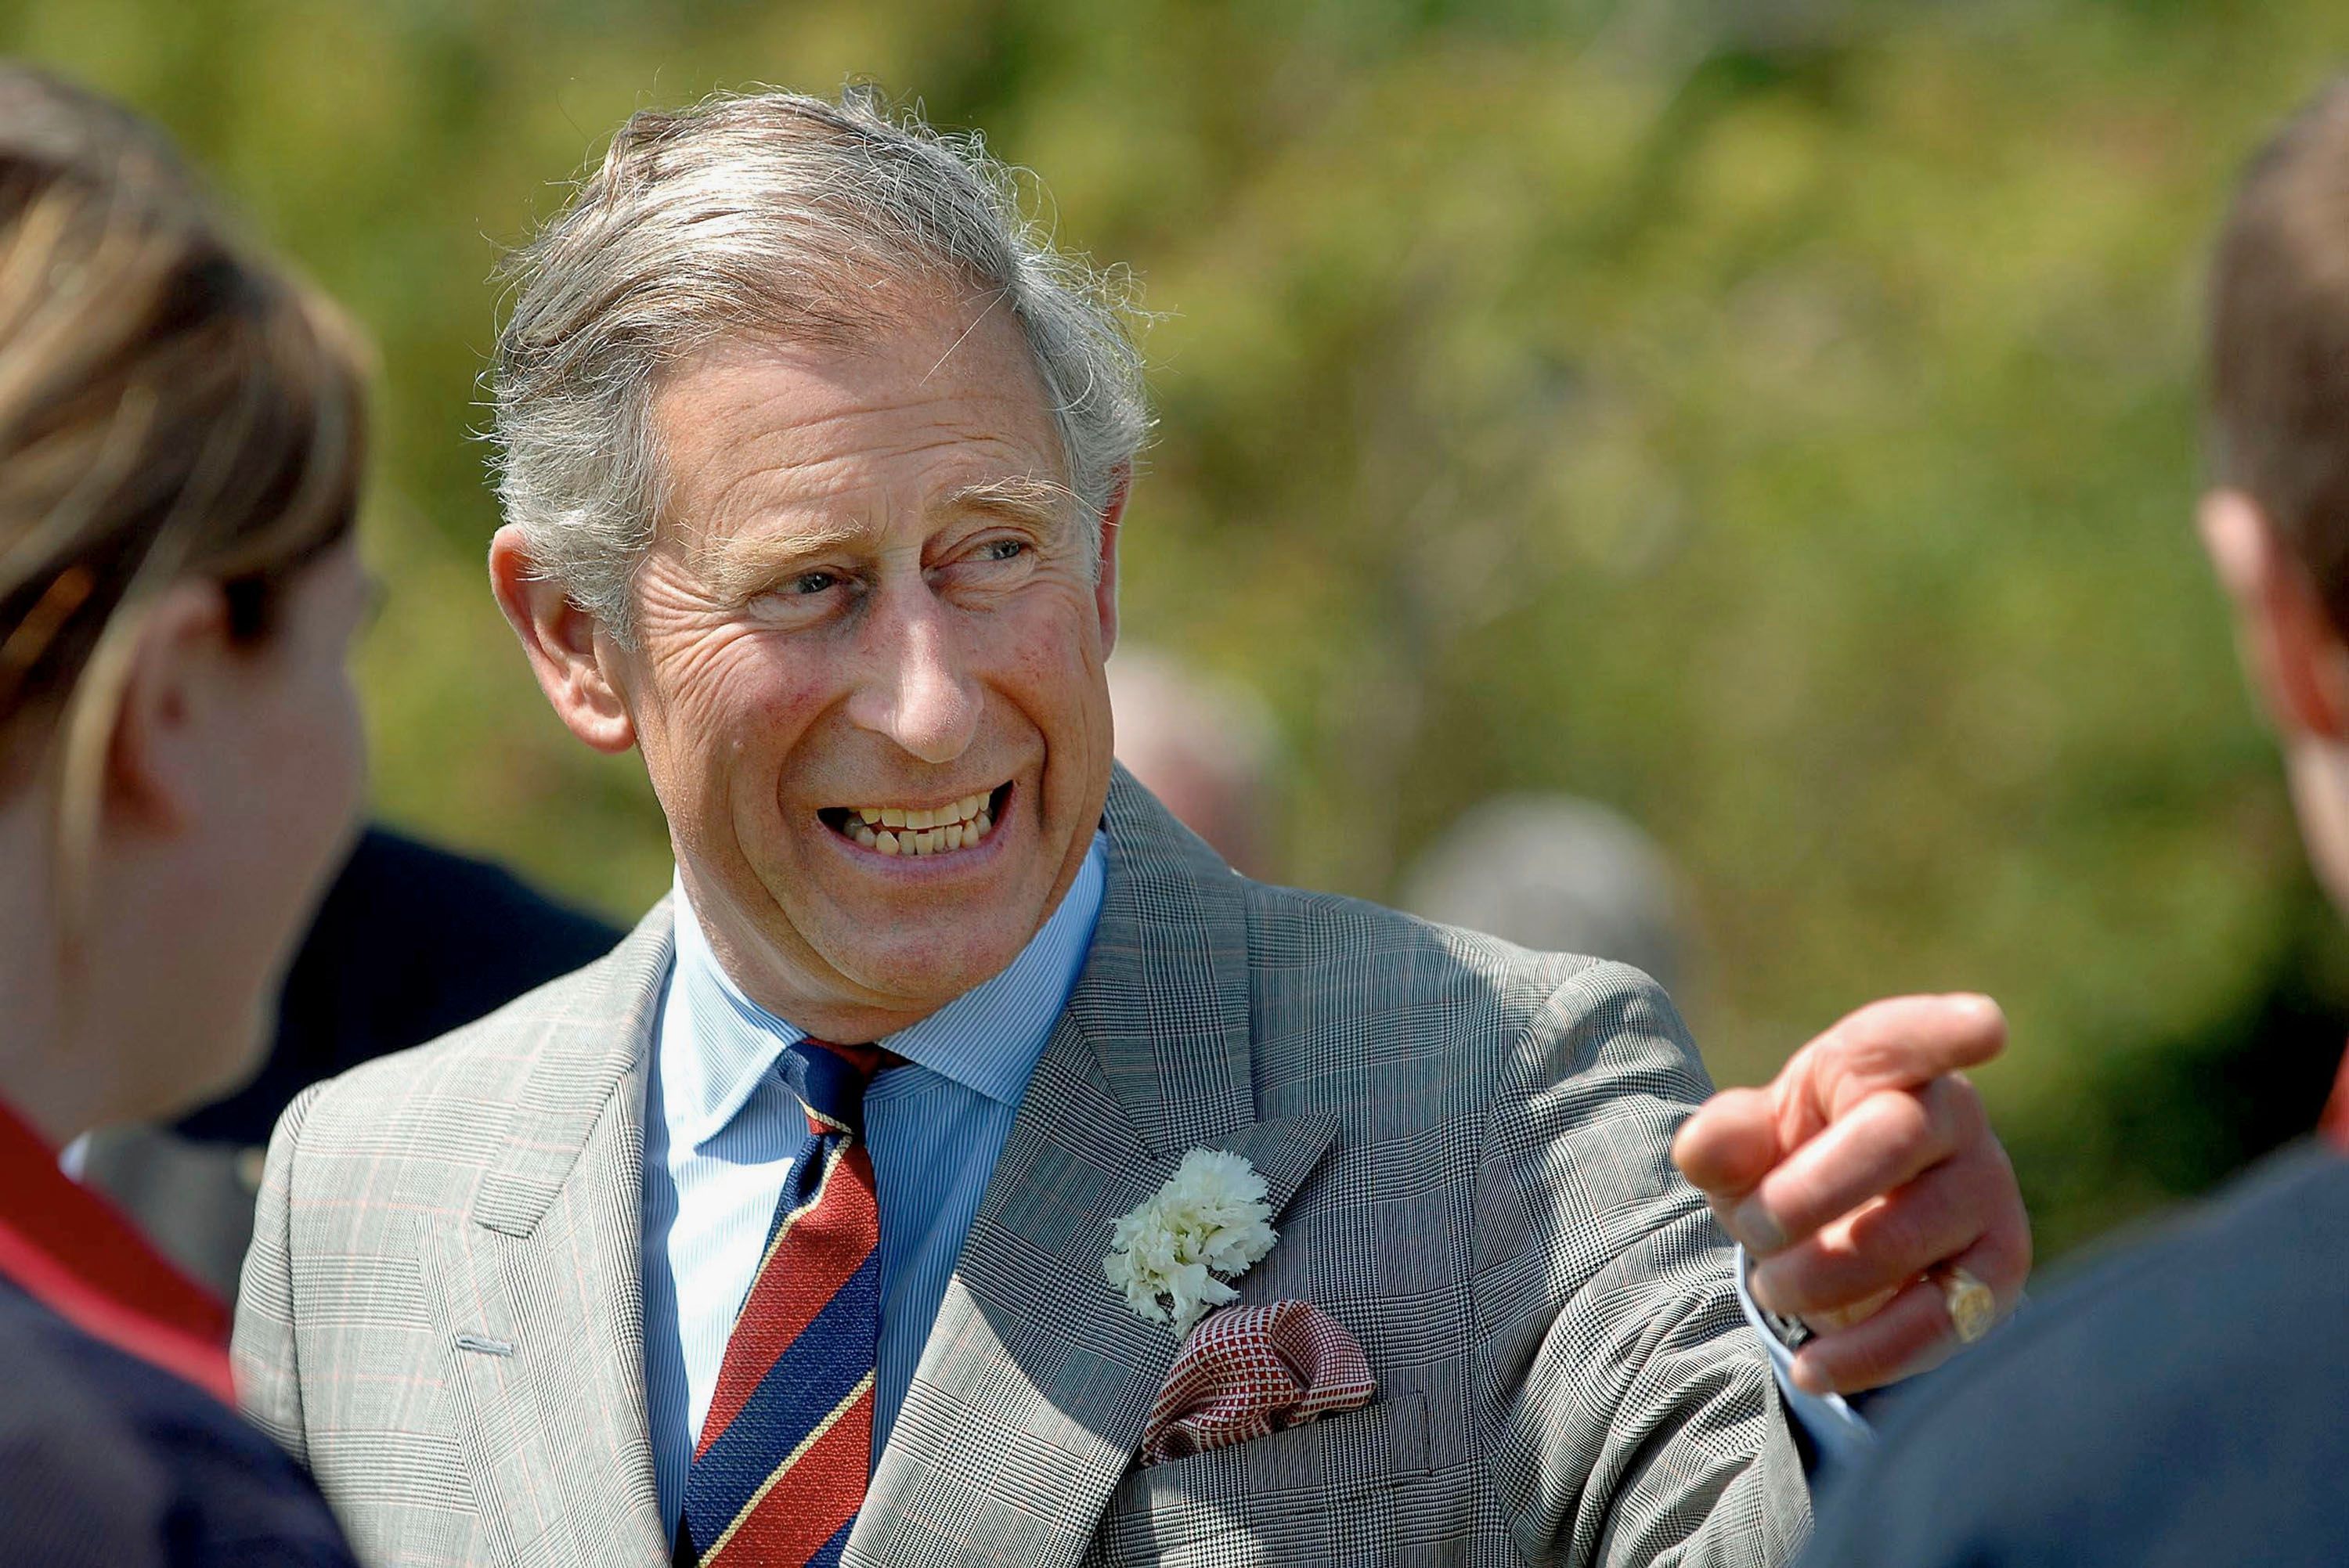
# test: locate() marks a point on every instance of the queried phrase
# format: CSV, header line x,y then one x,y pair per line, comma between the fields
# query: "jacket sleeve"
x,y
1630,1412
263,1353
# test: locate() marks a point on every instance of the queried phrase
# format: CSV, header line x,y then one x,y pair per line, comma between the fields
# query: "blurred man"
x,y
2188,1402
861,1205
1203,746
1557,876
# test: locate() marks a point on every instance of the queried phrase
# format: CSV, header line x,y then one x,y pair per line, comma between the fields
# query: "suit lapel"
x,y
1032,1390
540,1287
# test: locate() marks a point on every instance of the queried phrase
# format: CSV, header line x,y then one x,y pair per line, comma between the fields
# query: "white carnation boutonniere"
x,y
1174,1256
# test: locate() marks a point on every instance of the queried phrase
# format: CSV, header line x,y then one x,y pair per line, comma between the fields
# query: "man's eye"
x,y
1002,549
813,582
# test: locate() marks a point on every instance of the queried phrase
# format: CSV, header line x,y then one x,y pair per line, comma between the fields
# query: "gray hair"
x,y
778,214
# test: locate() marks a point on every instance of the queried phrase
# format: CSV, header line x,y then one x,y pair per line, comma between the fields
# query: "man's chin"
x,y
911,974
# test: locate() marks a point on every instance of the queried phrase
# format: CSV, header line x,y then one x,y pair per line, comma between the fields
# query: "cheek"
x,y
1051,667
1052,652
333,741
725,725
350,738
305,782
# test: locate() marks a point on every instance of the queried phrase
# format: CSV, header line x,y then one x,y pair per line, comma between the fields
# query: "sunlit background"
x,y
1775,420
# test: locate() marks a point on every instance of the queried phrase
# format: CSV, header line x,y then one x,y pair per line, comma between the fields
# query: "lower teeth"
x,y
924,841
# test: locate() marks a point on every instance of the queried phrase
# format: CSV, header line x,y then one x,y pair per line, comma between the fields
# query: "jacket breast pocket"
x,y
1328,1491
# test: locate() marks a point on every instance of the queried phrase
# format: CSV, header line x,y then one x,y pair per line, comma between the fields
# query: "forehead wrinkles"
x,y
796,431
859,494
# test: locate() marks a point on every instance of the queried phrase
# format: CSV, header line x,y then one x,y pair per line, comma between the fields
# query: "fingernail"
x,y
1751,1224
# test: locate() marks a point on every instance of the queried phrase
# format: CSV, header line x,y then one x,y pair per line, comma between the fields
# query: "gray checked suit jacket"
x,y
1465,1145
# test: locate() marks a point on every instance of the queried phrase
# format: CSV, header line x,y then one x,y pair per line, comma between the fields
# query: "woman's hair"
x,y
172,405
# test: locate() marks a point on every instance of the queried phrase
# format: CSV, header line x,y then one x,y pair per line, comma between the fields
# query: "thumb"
x,y
1729,1144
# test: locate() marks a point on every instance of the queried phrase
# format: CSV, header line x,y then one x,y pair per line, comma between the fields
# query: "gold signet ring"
x,y
1973,1308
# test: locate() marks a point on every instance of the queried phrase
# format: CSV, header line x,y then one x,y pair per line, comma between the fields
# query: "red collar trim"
x,y
2334,1125
76,1252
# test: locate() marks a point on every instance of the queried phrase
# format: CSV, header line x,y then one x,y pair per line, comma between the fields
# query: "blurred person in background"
x,y
410,941
789,1232
2188,1401
180,763
1556,874
1204,746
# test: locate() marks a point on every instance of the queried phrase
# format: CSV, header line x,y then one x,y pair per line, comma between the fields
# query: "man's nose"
x,y
918,691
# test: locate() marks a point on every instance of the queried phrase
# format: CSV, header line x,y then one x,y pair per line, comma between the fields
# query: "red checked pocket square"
x,y
1248,1371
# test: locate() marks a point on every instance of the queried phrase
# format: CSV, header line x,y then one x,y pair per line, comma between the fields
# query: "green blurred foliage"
x,y
1775,419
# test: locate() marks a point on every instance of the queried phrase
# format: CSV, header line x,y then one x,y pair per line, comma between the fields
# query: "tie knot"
x,y
830,1080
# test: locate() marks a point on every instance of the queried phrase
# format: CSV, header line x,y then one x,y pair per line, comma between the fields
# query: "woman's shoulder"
x,y
106,1459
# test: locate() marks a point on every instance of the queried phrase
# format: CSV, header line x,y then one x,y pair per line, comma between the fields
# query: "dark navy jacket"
x,y
109,1462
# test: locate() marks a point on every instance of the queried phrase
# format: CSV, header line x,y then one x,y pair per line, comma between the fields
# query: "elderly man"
x,y
861,1206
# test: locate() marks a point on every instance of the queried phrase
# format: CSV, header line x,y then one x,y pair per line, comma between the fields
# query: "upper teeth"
x,y
922,831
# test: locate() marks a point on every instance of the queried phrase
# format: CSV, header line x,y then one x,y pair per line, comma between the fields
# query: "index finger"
x,y
1902,1042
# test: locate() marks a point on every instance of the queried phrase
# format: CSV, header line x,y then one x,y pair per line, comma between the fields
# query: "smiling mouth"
x,y
922,830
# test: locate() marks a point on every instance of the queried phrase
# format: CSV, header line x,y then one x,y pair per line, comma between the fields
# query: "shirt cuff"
x,y
1836,1429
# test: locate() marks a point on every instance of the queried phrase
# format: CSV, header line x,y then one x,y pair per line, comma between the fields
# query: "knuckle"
x,y
1873,1052
1906,1117
1887,1139
1872,1028
1897,1233
1946,1120
1816,1276
1961,1102
2001,1258
1985,1190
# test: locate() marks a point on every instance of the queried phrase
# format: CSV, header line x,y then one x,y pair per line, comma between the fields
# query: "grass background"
x,y
1777,419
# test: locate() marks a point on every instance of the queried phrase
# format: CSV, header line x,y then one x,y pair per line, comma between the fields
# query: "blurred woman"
x,y
179,767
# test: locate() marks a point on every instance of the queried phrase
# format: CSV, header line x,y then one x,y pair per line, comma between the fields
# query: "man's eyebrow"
x,y
1021,496
740,567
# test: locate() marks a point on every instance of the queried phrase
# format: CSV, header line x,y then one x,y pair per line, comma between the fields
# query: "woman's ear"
x,y
161,748
560,639
2294,657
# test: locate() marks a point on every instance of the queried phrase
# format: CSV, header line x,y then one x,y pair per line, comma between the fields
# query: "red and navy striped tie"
x,y
787,1447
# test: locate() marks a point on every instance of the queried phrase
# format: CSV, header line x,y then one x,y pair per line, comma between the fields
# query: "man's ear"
x,y
2294,657
1106,580
560,639
158,745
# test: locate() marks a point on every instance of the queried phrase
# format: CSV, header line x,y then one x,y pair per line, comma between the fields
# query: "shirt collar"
x,y
986,1039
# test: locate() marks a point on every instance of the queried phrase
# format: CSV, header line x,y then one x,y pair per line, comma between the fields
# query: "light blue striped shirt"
x,y
720,1130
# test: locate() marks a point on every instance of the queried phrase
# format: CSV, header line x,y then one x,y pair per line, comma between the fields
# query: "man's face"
x,y
870,619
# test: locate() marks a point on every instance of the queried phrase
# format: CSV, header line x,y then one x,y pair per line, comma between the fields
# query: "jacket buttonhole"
x,y
485,1344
